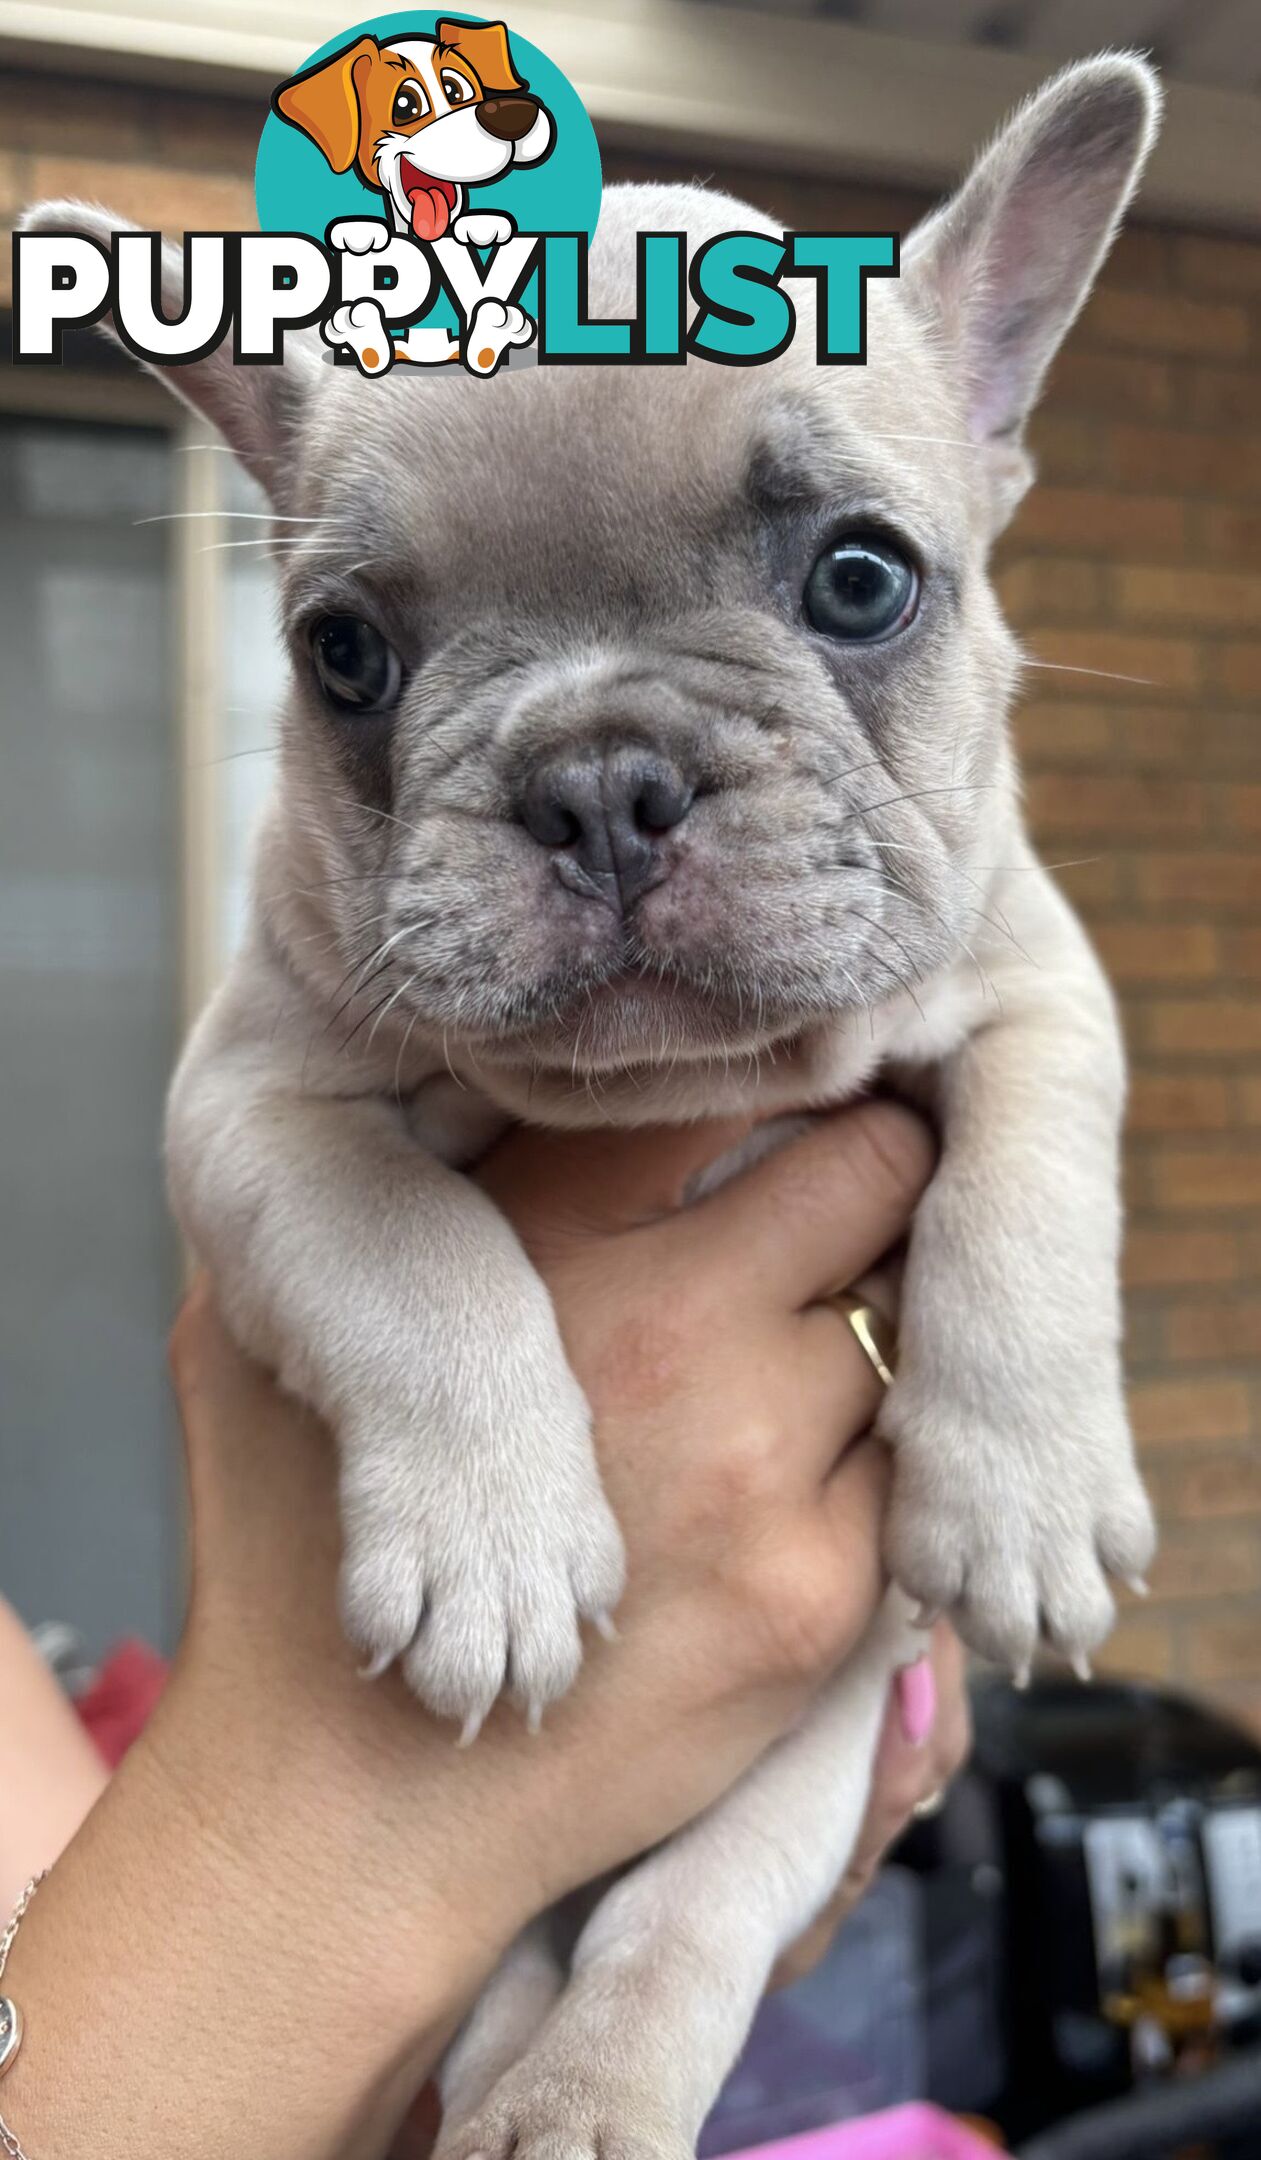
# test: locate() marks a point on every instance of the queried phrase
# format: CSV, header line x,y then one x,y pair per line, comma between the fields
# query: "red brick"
x,y
1230,269
1142,1649
1119,808
1227,533
1221,1486
1217,397
1201,598
1211,1027
1230,883
1160,322
1064,734
1212,1183
1216,1333
1121,385
1226,1649
1210,1565
1158,952
1238,668
1051,588
1177,1102
1154,1258
1096,523
1175,1413
1166,460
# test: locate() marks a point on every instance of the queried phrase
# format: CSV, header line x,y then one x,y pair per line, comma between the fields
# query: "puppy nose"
x,y
603,816
507,118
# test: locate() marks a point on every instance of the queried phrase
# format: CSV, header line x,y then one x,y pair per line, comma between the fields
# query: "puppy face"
x,y
422,119
656,715
653,715
663,713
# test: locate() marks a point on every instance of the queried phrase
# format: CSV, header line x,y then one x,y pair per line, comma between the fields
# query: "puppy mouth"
x,y
431,201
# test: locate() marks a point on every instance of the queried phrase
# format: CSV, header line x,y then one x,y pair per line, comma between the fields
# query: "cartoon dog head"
x,y
421,119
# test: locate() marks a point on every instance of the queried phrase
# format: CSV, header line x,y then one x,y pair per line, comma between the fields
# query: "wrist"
x,y
213,1954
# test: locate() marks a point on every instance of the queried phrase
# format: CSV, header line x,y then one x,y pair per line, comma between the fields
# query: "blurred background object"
x,y
141,672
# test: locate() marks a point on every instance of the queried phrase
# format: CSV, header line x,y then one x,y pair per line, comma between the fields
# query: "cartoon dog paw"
x,y
361,325
494,326
359,236
483,228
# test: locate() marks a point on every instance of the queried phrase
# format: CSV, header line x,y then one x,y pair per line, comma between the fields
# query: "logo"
x,y
427,189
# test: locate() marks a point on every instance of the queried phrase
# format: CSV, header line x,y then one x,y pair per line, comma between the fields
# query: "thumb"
x,y
560,1186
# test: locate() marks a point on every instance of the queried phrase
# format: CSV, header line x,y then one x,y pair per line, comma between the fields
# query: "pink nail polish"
x,y
917,1701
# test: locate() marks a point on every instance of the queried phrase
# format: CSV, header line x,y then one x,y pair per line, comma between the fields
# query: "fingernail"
x,y
917,1701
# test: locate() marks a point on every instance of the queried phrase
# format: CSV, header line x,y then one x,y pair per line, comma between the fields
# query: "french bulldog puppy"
x,y
647,757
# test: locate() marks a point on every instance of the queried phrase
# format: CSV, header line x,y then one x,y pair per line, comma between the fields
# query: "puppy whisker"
x,y
1062,667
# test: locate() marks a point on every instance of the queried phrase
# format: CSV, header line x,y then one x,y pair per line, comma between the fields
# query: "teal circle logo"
x,y
466,86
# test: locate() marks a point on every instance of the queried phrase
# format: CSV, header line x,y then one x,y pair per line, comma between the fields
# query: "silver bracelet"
x,y
11,2016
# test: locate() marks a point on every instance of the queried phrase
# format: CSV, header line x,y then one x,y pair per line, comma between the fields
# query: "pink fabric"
x,y
117,1706
916,2132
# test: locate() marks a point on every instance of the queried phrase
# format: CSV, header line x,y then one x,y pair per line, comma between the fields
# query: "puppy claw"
x,y
1136,1585
1022,1674
1081,1665
534,1719
925,1616
375,1666
471,1727
605,1626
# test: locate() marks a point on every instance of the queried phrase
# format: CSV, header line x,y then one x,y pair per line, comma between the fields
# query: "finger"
x,y
851,1518
811,1217
833,1369
588,1184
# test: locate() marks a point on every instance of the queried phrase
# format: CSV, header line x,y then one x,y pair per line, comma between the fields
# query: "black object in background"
x,y
1091,1821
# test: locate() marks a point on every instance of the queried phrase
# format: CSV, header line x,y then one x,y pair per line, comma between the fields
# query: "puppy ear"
x,y
1005,265
256,409
324,103
485,47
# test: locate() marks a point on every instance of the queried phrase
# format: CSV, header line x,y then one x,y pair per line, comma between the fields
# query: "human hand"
x,y
284,1820
723,1396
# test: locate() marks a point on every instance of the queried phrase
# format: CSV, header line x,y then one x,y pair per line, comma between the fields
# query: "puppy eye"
x,y
410,104
457,90
861,589
358,671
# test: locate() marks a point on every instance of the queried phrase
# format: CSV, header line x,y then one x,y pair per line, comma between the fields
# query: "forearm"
x,y
212,1967
51,1773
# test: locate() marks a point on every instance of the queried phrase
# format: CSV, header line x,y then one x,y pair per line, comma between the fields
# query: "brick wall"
x,y
1139,555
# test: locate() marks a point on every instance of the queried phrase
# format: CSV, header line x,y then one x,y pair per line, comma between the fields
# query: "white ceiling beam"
x,y
755,86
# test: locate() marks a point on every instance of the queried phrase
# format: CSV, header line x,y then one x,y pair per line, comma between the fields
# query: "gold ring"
x,y
874,1334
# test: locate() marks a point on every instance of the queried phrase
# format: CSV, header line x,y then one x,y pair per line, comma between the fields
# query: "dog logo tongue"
x,y
431,201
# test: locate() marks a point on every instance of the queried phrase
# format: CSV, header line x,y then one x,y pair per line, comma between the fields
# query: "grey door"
x,y
89,954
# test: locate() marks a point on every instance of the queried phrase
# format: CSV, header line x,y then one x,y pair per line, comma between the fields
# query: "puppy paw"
x,y
471,1556
1014,1528
359,236
483,228
494,326
361,325
560,2110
